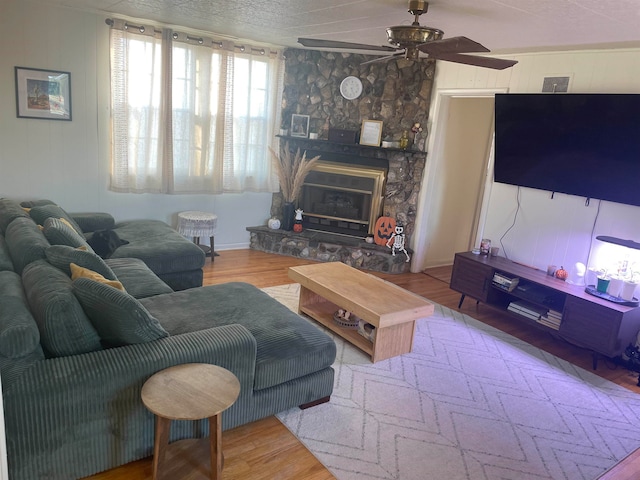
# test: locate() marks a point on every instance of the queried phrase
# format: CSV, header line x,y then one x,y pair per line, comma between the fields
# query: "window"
x,y
191,115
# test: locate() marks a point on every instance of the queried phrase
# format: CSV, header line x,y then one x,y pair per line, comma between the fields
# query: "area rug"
x,y
470,402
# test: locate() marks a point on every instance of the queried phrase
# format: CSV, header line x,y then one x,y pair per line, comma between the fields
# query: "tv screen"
x,y
579,144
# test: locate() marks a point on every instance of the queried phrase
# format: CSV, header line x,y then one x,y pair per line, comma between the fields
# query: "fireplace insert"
x,y
343,198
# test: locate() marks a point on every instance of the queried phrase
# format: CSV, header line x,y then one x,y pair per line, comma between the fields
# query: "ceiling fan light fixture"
x,y
404,36
412,53
418,7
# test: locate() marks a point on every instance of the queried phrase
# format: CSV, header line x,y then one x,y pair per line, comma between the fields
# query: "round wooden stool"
x,y
192,391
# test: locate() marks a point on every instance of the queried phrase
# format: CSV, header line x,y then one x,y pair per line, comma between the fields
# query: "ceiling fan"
x,y
409,40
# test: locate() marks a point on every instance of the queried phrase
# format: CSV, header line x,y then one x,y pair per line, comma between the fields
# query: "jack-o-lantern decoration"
x,y
562,274
384,229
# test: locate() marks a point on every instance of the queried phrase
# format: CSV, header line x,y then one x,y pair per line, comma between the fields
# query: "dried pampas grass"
x,y
292,171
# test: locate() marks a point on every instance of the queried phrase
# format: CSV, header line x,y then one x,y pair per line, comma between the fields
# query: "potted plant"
x,y
291,171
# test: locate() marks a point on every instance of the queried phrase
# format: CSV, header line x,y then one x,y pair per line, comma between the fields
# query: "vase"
x,y
288,213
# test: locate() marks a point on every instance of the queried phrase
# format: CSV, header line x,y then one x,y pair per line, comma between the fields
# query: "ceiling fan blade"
x,y
312,42
486,62
452,45
384,59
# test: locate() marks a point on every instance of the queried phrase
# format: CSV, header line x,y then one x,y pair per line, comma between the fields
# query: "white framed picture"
x,y
371,133
299,125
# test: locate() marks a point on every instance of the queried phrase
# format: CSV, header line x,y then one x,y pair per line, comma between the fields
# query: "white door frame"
x,y
427,203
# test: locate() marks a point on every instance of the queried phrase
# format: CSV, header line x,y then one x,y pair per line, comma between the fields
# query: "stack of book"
x,y
527,310
504,282
551,319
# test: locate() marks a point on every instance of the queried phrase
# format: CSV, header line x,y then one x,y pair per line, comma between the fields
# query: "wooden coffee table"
x,y
191,391
325,287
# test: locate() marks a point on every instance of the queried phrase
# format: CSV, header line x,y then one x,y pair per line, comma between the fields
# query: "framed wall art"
x,y
371,133
44,94
299,125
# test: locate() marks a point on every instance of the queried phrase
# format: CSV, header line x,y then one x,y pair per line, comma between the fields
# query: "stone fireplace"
x,y
400,174
397,93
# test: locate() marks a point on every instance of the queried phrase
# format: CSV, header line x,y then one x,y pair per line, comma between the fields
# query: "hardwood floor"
x,y
267,450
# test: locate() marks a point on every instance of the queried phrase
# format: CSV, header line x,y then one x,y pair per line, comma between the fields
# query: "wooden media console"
x,y
566,310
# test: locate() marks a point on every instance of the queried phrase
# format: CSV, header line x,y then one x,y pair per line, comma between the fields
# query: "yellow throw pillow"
x,y
67,223
81,272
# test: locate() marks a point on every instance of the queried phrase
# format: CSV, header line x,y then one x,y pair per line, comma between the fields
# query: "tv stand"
x,y
563,309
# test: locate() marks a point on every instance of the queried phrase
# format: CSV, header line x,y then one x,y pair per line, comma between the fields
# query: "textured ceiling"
x,y
500,25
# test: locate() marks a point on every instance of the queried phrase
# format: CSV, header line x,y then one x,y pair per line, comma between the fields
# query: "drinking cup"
x,y
603,285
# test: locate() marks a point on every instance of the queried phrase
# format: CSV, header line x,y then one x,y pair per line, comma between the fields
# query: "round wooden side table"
x,y
191,391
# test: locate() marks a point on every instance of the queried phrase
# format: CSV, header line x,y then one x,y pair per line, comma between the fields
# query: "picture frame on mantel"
x,y
299,125
43,94
371,133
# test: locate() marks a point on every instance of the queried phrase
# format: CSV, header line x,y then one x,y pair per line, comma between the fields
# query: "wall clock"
x,y
351,88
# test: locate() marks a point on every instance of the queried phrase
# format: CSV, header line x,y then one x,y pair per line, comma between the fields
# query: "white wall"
x,y
68,162
547,231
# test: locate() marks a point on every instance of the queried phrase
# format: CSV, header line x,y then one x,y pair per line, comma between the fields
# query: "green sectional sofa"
x,y
76,350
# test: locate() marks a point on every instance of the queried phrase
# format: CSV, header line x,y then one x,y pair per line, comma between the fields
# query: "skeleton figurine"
x,y
398,241
297,222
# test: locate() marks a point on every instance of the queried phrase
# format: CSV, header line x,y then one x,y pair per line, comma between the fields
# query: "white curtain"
x,y
192,115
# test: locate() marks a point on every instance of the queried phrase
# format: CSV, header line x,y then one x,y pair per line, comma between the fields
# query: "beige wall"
x,y
461,176
547,231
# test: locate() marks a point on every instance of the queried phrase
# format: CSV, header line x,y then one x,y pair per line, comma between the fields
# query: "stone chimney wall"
x,y
397,92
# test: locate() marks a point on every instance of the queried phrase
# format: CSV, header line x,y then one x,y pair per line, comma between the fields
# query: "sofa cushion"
x,y
60,232
29,204
9,211
92,221
19,335
5,257
288,346
81,272
26,242
60,256
64,327
138,280
157,244
118,317
42,212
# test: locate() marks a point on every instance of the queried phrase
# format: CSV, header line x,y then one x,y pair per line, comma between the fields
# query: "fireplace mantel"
x,y
353,148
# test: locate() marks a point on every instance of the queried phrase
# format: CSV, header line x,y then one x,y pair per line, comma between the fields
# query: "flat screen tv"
x,y
579,144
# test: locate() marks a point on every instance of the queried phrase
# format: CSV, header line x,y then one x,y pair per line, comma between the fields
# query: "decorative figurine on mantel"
x,y
297,223
404,140
324,131
419,137
397,237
